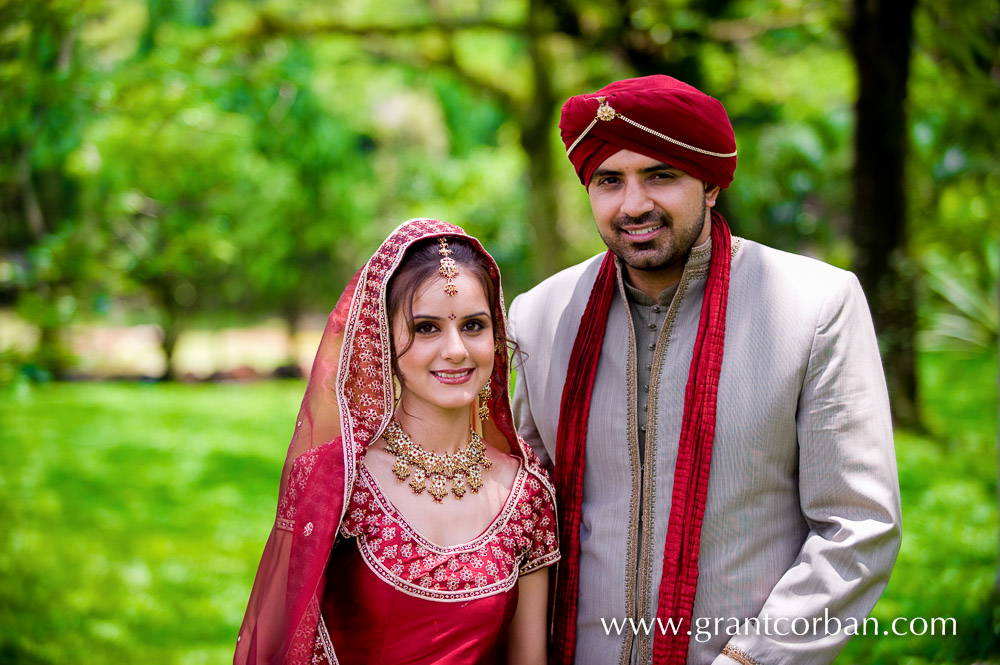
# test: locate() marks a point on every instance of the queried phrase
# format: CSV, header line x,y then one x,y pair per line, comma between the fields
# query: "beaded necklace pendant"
x,y
433,471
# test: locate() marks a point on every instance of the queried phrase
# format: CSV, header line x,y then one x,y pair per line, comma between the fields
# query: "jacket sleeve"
x,y
523,419
848,494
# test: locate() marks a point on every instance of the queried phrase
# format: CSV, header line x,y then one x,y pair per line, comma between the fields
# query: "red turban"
x,y
657,116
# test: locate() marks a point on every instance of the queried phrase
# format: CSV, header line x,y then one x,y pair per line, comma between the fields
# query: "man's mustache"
x,y
646,218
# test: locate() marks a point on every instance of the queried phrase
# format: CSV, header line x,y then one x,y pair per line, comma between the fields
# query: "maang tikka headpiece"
x,y
448,269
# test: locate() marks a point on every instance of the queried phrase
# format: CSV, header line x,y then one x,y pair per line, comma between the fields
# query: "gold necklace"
x,y
462,468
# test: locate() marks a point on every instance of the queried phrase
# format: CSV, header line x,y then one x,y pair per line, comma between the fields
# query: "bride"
x,y
413,524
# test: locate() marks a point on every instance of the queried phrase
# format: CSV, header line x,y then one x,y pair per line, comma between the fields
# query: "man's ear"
x,y
711,193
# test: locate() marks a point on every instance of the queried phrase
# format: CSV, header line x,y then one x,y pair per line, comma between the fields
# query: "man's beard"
x,y
659,253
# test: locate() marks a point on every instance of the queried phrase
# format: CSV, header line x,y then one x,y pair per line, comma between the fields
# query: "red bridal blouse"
x,y
393,596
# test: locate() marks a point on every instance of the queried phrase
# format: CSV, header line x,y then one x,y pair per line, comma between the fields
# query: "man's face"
x,y
648,213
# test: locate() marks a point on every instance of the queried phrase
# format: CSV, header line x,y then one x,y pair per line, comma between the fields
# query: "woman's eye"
x,y
474,325
424,328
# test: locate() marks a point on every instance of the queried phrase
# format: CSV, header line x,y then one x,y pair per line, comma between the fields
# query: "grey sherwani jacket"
x,y
802,522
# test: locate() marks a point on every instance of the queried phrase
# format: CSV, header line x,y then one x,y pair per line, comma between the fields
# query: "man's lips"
x,y
643,233
453,375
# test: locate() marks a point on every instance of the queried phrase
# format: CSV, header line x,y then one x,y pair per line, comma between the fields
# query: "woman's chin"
x,y
444,405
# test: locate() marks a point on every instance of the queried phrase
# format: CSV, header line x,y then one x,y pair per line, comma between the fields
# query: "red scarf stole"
x,y
694,456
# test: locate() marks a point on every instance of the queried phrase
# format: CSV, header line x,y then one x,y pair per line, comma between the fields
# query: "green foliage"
x,y
961,308
954,174
187,158
42,115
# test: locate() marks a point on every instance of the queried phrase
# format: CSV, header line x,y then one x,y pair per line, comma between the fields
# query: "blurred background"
x,y
187,185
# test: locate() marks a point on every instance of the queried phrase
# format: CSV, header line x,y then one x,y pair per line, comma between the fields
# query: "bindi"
x,y
451,317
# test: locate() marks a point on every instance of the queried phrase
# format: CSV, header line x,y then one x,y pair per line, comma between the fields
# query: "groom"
x,y
715,411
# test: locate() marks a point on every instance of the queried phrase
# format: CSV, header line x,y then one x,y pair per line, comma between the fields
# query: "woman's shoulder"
x,y
504,463
534,465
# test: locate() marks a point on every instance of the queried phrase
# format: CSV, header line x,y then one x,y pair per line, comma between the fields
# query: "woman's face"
x,y
451,356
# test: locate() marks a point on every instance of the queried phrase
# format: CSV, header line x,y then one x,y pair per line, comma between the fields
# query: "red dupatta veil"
x,y
347,404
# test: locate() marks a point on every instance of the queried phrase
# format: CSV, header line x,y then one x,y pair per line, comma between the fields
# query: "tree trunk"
x,y
156,12
291,369
32,208
163,291
51,354
171,333
203,12
880,38
547,248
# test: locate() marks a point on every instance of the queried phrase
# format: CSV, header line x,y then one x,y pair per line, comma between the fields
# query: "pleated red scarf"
x,y
694,456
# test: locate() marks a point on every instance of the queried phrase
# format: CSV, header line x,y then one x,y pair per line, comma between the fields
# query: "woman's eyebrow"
x,y
431,317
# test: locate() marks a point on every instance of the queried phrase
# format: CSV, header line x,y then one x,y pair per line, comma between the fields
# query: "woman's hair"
x,y
421,263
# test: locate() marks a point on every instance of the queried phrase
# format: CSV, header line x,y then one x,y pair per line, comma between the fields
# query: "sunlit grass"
x,y
134,517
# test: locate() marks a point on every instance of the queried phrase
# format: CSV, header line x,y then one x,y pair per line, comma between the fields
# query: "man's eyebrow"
x,y
600,173
652,168
659,166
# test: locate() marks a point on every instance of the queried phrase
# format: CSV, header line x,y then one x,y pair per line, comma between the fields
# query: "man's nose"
x,y
637,201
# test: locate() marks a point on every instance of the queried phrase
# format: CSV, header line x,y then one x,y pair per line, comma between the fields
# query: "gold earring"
x,y
484,394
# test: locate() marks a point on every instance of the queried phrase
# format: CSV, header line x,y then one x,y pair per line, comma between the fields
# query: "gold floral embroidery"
x,y
632,436
740,656
487,565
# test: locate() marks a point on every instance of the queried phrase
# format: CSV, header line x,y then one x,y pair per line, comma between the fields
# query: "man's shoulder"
x,y
760,262
561,286
801,287
557,303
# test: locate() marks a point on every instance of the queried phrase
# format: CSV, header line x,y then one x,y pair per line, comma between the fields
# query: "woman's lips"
x,y
453,376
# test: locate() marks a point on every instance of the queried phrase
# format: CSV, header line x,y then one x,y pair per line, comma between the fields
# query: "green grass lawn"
x,y
132,517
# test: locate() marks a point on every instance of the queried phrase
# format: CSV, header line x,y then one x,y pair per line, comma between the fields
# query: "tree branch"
x,y
279,25
276,24
742,30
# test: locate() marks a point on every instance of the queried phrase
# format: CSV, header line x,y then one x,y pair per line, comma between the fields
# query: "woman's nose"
x,y
454,346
